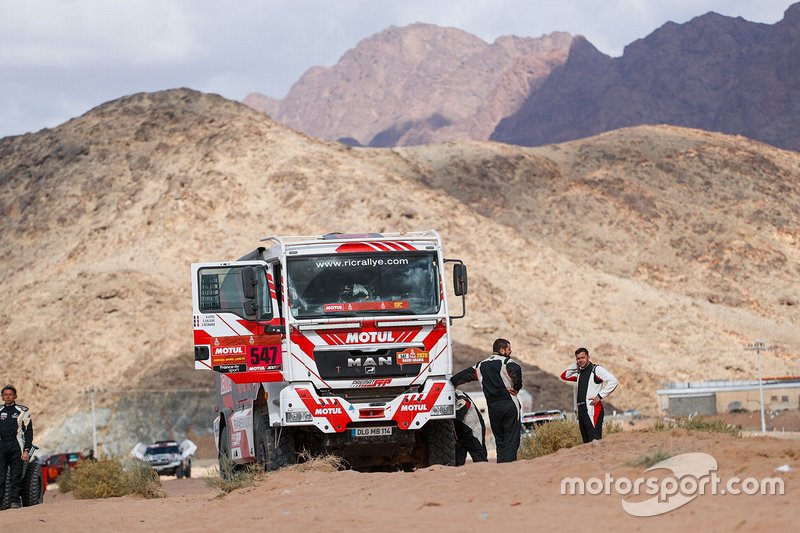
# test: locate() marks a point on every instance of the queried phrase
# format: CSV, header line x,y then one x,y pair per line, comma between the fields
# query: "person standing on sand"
x,y
16,439
501,380
593,385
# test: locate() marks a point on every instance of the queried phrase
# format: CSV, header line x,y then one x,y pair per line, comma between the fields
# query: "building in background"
x,y
716,397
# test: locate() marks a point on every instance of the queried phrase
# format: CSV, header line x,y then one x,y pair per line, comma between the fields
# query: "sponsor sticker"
x,y
264,357
363,383
225,384
365,306
412,356
230,369
239,424
228,355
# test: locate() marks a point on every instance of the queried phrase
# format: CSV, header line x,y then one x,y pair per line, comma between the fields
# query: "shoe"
x,y
16,505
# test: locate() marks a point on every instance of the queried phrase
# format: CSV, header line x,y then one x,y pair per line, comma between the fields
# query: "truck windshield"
x,y
363,284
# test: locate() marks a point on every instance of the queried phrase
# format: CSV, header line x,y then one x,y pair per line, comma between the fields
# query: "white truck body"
x,y
335,343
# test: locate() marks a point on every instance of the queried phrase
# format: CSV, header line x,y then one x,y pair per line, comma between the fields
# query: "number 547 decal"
x,y
264,357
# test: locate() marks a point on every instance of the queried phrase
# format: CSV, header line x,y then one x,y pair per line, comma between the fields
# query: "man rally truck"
x,y
331,344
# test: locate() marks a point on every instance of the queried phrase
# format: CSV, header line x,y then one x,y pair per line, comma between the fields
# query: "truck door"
x,y
234,313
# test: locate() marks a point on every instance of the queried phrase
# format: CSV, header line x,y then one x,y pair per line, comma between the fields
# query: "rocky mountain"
x,y
417,84
714,73
662,249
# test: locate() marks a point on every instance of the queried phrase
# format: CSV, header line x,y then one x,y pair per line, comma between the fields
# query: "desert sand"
x,y
524,496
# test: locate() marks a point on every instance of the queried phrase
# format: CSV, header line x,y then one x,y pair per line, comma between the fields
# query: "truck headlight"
x,y
441,410
298,416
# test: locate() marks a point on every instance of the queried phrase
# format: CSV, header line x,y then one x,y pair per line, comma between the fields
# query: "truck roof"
x,y
280,243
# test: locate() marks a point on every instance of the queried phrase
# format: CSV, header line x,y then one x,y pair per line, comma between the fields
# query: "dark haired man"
x,y
16,439
593,385
501,380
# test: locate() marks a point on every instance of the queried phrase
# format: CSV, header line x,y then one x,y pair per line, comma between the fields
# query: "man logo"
x,y
369,370
369,361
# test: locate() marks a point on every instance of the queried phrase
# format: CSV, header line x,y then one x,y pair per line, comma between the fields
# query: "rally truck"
x,y
335,344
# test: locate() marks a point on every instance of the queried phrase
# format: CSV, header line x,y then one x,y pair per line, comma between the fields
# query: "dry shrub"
x,y
108,478
239,477
142,479
233,477
98,479
611,427
551,437
698,424
65,480
713,426
322,463
650,459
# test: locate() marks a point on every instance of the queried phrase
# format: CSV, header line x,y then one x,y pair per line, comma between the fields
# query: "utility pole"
x,y
758,346
91,393
94,426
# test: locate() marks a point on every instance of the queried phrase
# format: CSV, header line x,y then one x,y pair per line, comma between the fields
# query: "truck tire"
x,y
441,443
32,484
179,471
227,468
268,454
188,470
31,489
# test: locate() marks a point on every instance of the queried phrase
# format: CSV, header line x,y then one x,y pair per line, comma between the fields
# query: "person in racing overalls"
x,y
470,431
593,385
501,380
16,440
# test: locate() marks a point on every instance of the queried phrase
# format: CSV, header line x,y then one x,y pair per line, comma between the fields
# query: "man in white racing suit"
x,y
470,431
593,384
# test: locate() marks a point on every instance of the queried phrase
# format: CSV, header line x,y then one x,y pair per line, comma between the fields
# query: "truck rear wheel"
x,y
441,443
269,454
32,484
226,466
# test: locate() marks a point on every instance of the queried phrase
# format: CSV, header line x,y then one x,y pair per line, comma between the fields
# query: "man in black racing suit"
x,y
501,380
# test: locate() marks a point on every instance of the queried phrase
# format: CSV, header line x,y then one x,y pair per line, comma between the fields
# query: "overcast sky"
x,y
60,58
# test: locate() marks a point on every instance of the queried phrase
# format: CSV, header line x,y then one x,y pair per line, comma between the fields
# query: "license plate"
x,y
370,432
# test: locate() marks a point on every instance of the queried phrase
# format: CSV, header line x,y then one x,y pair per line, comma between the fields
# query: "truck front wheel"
x,y
441,442
270,454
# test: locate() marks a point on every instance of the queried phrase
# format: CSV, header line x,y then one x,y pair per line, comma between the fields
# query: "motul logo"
x,y
368,361
413,407
328,411
229,350
369,336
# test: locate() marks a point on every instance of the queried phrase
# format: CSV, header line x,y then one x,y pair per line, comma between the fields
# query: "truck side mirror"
x,y
249,283
460,279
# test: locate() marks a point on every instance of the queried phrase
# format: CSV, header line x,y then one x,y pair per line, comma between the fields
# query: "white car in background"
x,y
537,418
167,457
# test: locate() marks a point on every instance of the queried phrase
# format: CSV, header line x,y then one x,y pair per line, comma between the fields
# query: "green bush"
x,y
108,478
549,438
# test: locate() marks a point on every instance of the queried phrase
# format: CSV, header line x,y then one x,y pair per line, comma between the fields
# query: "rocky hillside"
x,y
714,73
662,249
417,84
